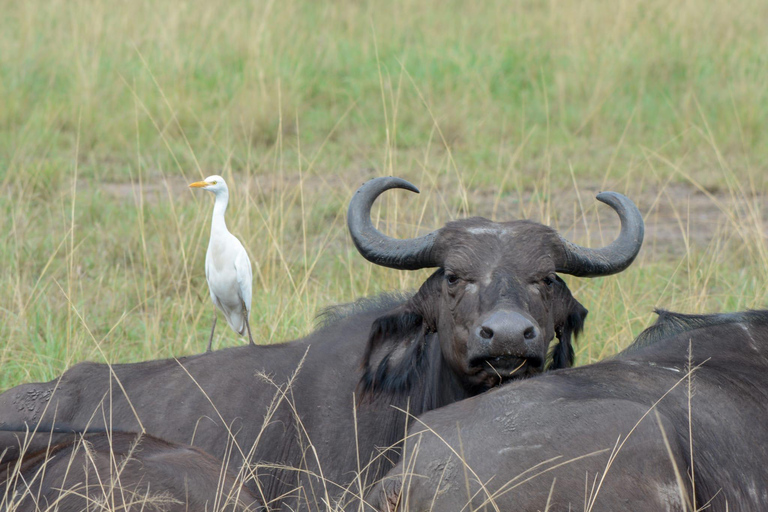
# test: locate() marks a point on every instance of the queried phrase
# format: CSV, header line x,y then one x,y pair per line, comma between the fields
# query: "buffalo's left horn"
x,y
615,257
375,246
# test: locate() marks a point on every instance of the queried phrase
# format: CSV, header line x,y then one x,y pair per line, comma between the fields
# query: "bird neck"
x,y
219,208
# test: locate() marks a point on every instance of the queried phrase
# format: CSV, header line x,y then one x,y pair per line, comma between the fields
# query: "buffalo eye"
x,y
549,280
451,278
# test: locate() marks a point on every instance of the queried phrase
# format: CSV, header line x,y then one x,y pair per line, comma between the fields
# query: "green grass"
x,y
108,109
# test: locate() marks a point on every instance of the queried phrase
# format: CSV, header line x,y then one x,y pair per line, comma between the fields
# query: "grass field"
x,y
503,109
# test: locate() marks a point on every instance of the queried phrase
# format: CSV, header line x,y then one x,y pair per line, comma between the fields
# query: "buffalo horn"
x,y
375,246
615,257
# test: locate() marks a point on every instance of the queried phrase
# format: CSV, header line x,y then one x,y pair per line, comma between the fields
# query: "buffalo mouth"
x,y
495,369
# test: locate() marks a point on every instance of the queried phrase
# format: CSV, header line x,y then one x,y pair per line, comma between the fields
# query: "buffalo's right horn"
x,y
375,246
616,256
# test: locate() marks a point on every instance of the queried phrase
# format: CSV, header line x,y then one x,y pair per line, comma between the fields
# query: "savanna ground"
x,y
502,109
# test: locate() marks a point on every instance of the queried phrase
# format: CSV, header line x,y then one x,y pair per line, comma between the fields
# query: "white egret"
x,y
227,266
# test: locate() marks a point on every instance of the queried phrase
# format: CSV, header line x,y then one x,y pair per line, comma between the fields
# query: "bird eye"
x,y
213,182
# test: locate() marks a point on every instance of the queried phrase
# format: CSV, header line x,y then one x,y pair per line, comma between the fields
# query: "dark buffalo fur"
x,y
545,443
670,324
562,353
304,430
121,471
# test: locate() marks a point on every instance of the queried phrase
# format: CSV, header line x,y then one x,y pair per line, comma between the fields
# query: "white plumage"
x,y
227,266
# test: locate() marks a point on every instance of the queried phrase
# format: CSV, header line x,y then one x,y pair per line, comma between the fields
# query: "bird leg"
x,y
213,328
248,324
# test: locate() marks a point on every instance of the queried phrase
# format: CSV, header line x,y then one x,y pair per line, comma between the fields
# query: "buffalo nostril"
x,y
486,333
530,333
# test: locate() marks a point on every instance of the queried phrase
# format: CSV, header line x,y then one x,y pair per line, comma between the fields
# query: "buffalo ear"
x,y
575,314
395,350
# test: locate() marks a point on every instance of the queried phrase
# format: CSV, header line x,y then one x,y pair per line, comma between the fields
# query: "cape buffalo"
x,y
121,471
487,314
676,422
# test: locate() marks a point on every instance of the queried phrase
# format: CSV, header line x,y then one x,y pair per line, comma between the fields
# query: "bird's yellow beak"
x,y
198,184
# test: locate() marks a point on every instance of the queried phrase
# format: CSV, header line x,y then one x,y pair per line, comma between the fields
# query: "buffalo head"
x,y
495,302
